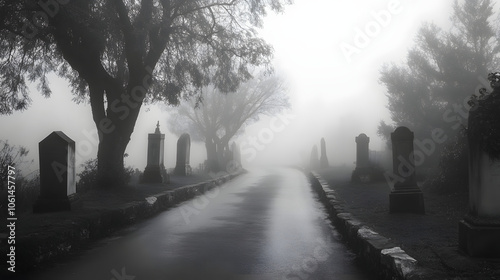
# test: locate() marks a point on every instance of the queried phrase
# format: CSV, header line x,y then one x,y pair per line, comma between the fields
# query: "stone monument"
x,y
406,196
479,231
362,172
182,166
323,160
57,174
155,170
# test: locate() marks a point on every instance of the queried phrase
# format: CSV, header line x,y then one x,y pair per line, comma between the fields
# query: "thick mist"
x,y
332,84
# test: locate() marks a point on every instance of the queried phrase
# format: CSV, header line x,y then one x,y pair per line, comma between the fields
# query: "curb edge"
x,y
378,253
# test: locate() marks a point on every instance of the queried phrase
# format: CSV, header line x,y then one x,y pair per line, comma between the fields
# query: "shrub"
x,y
10,156
88,177
453,172
27,192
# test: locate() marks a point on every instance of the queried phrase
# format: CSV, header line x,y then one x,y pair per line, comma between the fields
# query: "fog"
x,y
333,93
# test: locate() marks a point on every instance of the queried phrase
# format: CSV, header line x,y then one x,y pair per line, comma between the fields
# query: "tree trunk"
x,y
114,126
222,154
212,157
110,166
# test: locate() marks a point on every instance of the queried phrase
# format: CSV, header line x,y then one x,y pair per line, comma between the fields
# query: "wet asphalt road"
x,y
261,225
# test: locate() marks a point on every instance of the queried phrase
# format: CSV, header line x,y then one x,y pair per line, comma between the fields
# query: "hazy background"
x,y
331,96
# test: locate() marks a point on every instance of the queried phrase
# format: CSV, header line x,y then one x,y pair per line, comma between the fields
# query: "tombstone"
x,y
182,167
155,170
323,160
236,154
57,174
314,161
362,172
406,196
479,231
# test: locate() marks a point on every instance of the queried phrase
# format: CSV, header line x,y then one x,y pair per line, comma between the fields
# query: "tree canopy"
x,y
118,54
217,117
431,89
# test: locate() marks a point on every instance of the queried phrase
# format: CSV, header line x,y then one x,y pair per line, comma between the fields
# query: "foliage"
x,y
88,177
431,89
217,117
384,130
27,192
116,39
10,156
484,119
453,172
441,71
27,187
120,54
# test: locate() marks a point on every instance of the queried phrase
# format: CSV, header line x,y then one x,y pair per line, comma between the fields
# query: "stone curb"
x,y
35,249
379,254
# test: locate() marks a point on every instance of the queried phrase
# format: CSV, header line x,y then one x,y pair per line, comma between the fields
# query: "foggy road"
x,y
261,225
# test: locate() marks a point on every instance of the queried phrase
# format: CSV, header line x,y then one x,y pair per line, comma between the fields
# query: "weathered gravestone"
x,y
314,161
323,160
182,166
479,231
57,174
362,172
236,154
406,196
155,170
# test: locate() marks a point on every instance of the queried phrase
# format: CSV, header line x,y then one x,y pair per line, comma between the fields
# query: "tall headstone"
x,y
323,160
155,170
57,174
362,172
314,161
182,166
406,196
479,231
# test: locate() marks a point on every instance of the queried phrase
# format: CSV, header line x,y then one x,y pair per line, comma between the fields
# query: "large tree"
x,y
216,117
118,54
430,90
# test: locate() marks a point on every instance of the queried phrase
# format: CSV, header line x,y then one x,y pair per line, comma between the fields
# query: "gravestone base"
x,y
361,175
479,239
44,205
155,174
410,201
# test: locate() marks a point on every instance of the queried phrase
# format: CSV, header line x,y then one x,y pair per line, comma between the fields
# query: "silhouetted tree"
x,y
118,54
217,117
441,72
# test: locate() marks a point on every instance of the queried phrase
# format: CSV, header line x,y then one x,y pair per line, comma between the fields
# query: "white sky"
x,y
331,97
